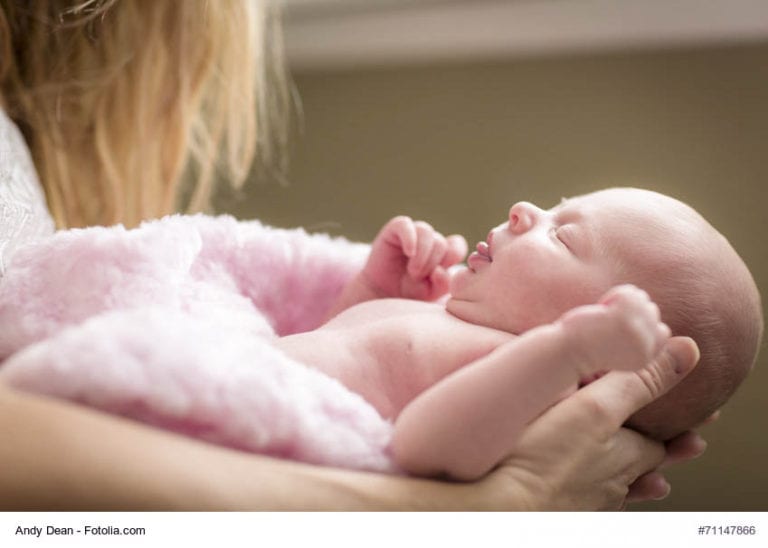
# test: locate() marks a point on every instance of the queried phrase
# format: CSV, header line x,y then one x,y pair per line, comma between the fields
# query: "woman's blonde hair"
x,y
122,100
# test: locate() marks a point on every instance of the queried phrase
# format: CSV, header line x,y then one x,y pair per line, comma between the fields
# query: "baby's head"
x,y
538,264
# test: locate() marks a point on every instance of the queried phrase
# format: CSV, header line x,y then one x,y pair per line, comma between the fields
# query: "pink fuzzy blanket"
x,y
171,324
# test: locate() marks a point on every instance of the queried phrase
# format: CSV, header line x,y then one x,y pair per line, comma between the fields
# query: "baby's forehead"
x,y
629,209
642,202
631,222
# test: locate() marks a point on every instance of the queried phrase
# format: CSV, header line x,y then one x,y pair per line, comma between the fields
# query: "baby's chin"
x,y
460,280
475,313
459,308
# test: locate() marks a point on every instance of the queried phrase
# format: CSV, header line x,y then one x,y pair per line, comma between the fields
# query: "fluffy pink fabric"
x,y
171,324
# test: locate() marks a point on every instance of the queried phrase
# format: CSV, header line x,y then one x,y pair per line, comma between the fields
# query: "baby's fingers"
x,y
456,250
445,253
439,281
401,231
439,248
425,243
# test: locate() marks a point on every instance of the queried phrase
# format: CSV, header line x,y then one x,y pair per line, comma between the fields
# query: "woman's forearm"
x,y
58,456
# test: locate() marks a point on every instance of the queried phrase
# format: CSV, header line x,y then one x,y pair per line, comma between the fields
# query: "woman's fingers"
x,y
712,418
643,454
650,486
613,398
616,396
684,447
653,485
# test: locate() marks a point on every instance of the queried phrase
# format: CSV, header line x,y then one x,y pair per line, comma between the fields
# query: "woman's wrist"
x,y
307,487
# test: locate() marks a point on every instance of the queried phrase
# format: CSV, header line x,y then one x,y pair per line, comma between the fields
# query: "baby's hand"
x,y
409,260
623,331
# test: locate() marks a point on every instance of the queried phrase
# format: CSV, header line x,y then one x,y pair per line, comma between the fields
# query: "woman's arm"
x,y
58,456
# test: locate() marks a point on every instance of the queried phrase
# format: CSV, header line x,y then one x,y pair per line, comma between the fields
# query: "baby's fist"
x,y
409,259
622,331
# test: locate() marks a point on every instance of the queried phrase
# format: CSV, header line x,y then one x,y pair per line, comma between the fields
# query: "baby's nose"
x,y
523,216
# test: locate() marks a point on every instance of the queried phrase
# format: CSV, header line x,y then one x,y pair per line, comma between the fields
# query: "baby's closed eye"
x,y
564,235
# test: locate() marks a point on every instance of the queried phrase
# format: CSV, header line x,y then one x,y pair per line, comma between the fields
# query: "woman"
x,y
129,107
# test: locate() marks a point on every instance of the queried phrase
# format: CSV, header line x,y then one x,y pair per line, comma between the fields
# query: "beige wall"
x,y
456,145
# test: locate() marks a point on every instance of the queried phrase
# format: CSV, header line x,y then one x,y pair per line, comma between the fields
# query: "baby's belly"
x,y
370,348
345,353
390,350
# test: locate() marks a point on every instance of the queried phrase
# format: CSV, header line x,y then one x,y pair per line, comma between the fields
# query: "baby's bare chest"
x,y
396,349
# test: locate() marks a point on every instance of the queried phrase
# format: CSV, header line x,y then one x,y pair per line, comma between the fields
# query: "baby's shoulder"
x,y
395,312
398,318
383,310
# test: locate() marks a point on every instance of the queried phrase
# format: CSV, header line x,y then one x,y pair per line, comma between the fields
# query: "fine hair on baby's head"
x,y
704,291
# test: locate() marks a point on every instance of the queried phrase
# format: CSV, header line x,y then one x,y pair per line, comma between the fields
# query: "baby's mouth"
x,y
480,257
484,249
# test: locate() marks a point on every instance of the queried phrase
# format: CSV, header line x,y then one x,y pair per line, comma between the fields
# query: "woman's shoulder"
x,y
23,213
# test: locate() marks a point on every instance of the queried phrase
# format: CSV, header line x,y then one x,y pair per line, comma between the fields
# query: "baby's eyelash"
x,y
557,233
554,234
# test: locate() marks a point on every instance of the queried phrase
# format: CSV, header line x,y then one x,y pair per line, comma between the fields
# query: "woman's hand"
x,y
409,260
577,455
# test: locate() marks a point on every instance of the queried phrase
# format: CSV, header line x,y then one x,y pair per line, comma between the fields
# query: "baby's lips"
x,y
483,249
477,260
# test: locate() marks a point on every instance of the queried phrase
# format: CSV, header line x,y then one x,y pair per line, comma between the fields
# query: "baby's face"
x,y
540,263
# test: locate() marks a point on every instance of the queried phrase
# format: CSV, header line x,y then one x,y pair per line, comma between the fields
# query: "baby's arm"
x,y
408,260
468,422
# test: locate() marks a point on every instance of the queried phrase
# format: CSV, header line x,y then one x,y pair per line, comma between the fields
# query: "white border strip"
x,y
385,530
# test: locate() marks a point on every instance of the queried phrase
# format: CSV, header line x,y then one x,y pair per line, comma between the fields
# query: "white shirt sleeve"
x,y
24,216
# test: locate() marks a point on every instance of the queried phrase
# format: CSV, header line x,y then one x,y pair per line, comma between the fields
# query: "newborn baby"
x,y
548,302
